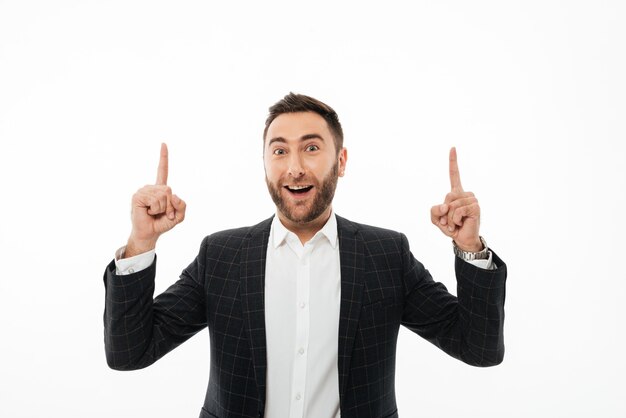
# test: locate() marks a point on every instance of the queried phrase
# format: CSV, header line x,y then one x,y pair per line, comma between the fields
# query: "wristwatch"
x,y
468,255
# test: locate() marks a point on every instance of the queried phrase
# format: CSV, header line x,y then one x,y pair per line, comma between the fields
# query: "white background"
x,y
532,93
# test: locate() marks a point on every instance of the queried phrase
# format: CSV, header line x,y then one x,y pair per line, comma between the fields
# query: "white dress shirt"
x,y
302,302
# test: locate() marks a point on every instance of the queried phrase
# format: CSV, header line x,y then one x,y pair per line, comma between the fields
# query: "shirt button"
x,y
302,305
298,397
301,351
131,270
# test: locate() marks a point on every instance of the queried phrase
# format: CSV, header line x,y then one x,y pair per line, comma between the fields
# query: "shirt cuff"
x,y
125,266
486,264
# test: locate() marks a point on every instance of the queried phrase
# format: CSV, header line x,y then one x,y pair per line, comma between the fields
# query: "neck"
x,y
306,230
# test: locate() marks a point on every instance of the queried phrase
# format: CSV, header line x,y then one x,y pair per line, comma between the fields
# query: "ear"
x,y
343,159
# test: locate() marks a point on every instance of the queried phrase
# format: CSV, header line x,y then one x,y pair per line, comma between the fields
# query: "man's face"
x,y
302,166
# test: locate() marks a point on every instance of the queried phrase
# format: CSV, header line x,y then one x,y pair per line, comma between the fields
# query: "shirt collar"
x,y
279,233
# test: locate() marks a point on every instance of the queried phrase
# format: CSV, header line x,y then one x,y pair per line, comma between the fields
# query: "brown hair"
x,y
293,103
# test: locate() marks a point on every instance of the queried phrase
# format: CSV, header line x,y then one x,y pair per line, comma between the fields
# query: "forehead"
x,y
292,126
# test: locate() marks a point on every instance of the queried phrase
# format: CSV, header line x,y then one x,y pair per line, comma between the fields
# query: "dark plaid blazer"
x,y
382,287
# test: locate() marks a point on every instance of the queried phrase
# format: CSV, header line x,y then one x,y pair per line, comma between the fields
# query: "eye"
x,y
279,151
312,148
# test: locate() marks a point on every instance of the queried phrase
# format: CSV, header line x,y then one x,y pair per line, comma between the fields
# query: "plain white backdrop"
x,y
532,93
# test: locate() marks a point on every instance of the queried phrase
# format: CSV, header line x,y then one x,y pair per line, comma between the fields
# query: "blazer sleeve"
x,y
469,326
138,330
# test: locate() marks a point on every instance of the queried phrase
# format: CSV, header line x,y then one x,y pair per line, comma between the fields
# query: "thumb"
x,y
180,206
437,214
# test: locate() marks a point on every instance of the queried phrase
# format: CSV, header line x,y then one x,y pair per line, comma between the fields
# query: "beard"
x,y
323,197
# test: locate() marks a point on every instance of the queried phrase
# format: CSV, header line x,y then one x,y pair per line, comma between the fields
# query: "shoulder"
x,y
234,238
371,235
366,231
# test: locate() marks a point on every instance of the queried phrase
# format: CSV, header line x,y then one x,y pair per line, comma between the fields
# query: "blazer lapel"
x,y
253,256
351,255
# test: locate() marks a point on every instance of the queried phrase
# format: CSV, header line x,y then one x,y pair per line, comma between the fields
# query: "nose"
x,y
296,168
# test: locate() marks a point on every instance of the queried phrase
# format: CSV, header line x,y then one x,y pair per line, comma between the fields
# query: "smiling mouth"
x,y
298,189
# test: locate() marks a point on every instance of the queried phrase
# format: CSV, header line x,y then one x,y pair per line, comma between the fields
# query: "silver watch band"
x,y
468,255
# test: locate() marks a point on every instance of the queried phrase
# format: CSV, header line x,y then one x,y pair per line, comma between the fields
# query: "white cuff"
x,y
124,266
486,264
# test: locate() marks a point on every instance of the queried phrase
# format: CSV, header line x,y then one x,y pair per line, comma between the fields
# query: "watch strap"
x,y
469,255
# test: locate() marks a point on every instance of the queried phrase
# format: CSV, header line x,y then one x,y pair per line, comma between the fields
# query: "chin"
x,y
297,217
303,217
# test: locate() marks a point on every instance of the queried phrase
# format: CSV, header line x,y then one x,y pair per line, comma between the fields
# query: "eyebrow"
x,y
302,138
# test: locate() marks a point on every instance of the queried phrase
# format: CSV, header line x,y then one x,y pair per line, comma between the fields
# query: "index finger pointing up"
x,y
455,177
162,170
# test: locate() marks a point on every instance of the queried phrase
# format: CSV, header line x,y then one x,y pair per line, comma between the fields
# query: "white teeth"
x,y
297,187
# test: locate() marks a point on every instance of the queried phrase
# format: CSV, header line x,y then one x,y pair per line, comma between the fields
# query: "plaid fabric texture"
x,y
382,287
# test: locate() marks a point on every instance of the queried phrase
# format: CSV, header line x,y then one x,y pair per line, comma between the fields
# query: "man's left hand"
x,y
458,217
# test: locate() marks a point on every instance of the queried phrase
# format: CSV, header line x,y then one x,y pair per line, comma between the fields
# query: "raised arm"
x,y
468,326
138,330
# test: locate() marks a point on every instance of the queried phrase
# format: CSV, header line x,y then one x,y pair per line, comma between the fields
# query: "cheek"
x,y
315,165
321,169
273,171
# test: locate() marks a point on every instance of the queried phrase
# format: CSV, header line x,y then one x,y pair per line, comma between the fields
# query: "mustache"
x,y
300,182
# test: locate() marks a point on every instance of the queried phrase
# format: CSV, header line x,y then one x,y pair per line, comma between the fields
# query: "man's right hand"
x,y
155,210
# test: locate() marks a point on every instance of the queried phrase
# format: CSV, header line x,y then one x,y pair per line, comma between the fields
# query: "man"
x,y
303,309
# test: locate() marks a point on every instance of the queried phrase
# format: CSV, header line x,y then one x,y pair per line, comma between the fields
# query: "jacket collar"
x,y
279,233
351,255
252,276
